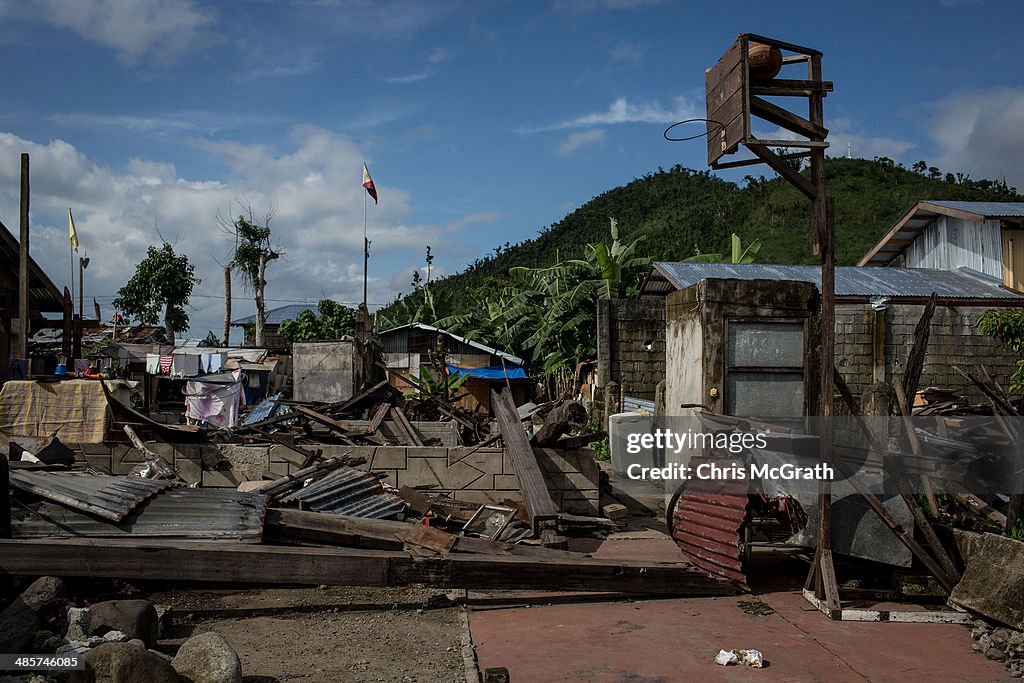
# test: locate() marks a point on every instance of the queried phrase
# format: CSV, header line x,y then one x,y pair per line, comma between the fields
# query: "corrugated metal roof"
x,y
851,281
985,209
476,345
348,491
103,495
276,316
706,525
194,514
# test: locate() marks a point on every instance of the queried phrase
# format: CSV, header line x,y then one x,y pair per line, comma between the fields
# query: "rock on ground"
x,y
134,618
207,658
20,620
124,663
79,623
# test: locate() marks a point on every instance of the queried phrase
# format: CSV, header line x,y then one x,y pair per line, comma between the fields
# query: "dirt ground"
x,y
326,634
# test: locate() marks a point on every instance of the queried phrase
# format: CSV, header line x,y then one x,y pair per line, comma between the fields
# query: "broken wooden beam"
x,y
402,425
560,420
230,562
383,534
536,496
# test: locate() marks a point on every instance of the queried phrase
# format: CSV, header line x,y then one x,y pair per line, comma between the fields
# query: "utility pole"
x,y
23,274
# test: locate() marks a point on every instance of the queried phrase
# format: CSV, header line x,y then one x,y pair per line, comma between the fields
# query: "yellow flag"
x,y
71,231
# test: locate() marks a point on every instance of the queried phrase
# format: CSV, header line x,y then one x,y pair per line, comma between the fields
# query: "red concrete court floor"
x,y
566,637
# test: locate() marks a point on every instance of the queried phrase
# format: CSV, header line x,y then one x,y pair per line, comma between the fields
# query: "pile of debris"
x,y
1000,644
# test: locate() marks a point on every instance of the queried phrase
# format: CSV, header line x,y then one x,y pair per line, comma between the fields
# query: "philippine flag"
x,y
368,183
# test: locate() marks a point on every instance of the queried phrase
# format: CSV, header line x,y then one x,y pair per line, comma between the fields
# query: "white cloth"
x,y
153,363
215,404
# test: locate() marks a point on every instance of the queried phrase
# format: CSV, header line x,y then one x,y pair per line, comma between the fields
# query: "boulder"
x,y
124,663
207,658
993,580
21,619
134,618
79,620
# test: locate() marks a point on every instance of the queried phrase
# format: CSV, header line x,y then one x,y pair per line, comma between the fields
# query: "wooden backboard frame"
x,y
731,100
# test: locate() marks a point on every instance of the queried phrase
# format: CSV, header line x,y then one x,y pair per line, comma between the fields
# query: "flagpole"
x,y
366,250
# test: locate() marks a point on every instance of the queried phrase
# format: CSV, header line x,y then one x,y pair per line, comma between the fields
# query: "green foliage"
x,y
253,243
442,387
1017,532
331,322
160,287
681,212
738,255
1007,325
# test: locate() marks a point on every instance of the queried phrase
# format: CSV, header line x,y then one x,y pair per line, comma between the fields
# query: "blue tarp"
x,y
496,372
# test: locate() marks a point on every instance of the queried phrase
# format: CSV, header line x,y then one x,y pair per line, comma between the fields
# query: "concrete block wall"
x,y
631,344
954,340
480,477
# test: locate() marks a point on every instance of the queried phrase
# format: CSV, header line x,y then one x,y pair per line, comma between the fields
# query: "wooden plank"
x,y
782,45
812,86
723,165
378,418
5,497
405,427
384,534
783,169
539,505
786,119
338,429
915,359
347,567
829,584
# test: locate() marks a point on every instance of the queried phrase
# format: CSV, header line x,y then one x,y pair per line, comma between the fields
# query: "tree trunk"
x,y
168,329
227,306
261,305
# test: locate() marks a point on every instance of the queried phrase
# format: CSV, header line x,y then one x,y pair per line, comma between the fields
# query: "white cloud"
x,y
414,77
578,140
162,30
623,111
315,184
629,54
981,132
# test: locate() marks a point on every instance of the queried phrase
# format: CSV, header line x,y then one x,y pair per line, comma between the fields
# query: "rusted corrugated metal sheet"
x,y
105,496
348,492
707,525
183,513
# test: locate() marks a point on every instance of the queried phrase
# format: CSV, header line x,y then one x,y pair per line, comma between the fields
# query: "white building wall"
x,y
950,243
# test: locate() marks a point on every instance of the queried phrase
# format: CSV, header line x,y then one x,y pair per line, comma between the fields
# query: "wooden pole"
x,y
23,267
5,498
227,306
81,289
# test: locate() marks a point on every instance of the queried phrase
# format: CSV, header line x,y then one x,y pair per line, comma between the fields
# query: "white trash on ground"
x,y
752,658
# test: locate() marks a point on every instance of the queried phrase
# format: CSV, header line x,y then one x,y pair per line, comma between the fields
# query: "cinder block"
x,y
486,460
99,462
506,482
427,452
225,479
189,470
390,457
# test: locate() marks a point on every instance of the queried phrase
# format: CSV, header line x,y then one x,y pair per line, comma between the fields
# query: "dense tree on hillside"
x,y
683,212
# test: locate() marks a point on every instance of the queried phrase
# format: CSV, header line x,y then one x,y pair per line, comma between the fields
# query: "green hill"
x,y
682,212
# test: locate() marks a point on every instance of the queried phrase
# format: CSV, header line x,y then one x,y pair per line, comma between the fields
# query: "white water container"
x,y
620,426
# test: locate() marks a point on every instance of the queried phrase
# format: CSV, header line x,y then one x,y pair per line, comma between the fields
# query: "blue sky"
x,y
482,122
